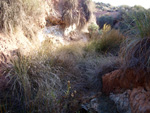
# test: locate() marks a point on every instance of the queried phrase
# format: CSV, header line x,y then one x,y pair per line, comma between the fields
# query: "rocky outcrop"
x,y
130,88
121,80
67,13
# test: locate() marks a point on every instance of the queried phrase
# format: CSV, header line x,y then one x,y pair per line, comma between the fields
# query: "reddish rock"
x,y
120,80
140,100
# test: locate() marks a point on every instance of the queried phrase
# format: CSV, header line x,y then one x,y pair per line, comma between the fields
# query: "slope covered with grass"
x,y
49,77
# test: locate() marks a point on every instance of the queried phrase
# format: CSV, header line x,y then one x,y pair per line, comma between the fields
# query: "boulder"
x,y
140,100
122,101
120,80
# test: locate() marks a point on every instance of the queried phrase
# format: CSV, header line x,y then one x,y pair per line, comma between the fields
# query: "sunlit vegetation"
x,y
110,40
18,14
53,79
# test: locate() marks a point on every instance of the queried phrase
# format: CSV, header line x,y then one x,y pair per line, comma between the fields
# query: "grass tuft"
x,y
136,53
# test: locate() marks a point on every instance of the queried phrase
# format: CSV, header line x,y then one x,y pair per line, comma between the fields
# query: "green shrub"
x,y
138,8
93,30
109,42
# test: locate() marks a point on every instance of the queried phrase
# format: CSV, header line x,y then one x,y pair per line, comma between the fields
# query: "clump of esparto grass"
x,y
32,84
135,22
136,54
72,52
142,23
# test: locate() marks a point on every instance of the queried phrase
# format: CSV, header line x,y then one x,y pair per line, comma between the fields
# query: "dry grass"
x,y
11,15
19,14
32,84
38,80
135,51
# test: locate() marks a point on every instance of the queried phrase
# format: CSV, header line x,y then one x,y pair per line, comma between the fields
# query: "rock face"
x,y
121,80
140,100
135,87
66,13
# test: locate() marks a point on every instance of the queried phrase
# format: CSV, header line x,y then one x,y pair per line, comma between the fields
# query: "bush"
x,y
109,41
138,8
93,30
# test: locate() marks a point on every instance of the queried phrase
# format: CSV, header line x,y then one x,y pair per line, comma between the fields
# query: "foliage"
x,y
138,8
93,30
109,41
142,21
135,53
135,22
